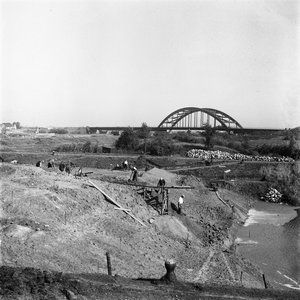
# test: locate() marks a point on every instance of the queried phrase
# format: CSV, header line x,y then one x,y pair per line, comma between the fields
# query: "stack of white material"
x,y
272,196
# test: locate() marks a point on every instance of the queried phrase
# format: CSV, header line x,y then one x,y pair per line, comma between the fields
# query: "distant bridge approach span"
x,y
196,118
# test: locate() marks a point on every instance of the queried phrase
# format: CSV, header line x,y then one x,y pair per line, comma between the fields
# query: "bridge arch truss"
x,y
194,117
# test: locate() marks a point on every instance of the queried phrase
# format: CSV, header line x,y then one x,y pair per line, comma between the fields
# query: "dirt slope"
x,y
58,223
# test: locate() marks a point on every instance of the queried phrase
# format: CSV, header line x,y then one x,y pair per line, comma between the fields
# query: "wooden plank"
x,y
116,203
222,200
179,187
120,208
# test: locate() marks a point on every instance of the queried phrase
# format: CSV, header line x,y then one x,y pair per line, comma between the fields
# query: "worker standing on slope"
x,y
125,164
134,174
161,182
180,202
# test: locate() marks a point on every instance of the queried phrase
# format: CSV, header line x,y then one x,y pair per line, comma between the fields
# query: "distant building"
x,y
106,149
9,126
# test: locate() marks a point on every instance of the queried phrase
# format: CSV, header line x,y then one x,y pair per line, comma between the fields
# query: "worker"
x,y
62,166
39,163
79,172
51,163
134,174
180,202
161,182
125,164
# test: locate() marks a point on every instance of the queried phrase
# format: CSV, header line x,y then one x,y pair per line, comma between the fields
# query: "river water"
x,y
270,238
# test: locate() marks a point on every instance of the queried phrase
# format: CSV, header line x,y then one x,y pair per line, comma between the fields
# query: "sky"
x,y
123,63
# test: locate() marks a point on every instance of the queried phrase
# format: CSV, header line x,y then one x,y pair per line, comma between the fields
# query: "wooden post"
x,y
162,201
108,264
241,278
265,283
170,265
167,200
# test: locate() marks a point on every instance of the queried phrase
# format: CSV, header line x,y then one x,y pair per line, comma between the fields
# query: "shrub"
x,y
87,147
58,131
96,148
144,131
220,141
43,130
128,140
187,137
235,145
161,145
209,133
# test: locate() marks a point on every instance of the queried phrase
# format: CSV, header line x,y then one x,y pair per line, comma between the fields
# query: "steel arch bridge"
x,y
196,118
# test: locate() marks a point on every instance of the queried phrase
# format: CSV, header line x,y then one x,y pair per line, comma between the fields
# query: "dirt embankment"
x,y
57,223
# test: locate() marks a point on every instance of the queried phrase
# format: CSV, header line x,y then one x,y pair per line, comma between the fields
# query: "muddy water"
x,y
270,238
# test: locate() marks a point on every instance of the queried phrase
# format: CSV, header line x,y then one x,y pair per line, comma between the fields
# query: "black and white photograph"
x,y
149,149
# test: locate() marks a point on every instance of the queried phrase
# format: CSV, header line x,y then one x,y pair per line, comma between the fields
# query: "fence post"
x,y
108,263
265,283
170,276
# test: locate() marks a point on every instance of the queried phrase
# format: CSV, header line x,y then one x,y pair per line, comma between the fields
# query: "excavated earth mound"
x,y
52,223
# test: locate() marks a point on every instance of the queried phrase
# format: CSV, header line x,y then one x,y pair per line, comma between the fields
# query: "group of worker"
x,y
161,184
50,164
67,167
125,166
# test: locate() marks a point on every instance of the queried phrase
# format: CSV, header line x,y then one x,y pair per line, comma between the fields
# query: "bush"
x,y
187,137
58,131
144,131
96,149
128,140
87,147
43,130
77,148
220,141
236,146
209,133
161,145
